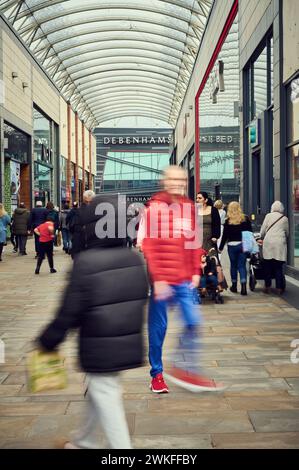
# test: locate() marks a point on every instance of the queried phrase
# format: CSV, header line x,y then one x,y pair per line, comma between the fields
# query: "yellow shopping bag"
x,y
46,371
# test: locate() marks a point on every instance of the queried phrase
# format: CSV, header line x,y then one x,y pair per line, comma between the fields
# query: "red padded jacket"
x,y
169,243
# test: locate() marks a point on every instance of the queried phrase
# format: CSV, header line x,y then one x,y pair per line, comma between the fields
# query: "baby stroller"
x,y
256,267
213,281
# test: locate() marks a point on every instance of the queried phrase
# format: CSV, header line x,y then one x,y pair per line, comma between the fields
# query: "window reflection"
x,y
132,170
42,137
260,83
293,111
219,123
295,200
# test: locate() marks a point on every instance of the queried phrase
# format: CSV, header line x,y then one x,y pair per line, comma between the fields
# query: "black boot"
x,y
243,288
233,287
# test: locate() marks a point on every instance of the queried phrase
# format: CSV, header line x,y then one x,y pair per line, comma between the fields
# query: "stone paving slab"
x,y
275,421
286,440
246,342
203,422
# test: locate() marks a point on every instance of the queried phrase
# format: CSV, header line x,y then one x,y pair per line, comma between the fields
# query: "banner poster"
x,y
15,182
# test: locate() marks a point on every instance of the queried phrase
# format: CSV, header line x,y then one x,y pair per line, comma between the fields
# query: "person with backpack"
x,y
274,235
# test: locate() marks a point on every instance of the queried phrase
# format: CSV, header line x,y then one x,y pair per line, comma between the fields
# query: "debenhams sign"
x,y
138,140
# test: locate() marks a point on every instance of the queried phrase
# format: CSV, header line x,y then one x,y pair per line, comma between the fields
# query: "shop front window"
x,y
16,144
43,190
42,137
73,182
293,151
260,83
295,200
133,170
86,180
219,131
293,111
63,172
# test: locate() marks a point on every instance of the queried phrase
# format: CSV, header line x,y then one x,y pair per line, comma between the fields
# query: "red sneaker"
x,y
158,385
193,382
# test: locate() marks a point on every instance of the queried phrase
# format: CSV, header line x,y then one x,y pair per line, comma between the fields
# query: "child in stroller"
x,y
209,284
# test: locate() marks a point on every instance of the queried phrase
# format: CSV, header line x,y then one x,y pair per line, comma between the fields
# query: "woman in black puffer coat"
x,y
105,299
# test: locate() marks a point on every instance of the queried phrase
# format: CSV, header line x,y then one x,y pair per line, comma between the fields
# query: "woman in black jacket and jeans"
x,y
235,224
109,320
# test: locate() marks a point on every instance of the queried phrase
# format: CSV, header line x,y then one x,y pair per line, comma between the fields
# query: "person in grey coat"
x,y
274,234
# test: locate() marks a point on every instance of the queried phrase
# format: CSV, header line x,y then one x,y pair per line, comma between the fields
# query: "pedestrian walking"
x,y
236,223
110,323
4,222
174,266
274,234
46,232
20,227
38,216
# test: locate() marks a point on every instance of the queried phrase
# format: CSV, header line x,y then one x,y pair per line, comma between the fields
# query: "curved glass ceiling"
x,y
114,58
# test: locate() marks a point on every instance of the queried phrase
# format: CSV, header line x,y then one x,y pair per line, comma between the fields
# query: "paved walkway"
x,y
246,344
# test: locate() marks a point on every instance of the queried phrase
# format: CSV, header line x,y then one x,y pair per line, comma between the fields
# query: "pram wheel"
x,y
218,298
252,282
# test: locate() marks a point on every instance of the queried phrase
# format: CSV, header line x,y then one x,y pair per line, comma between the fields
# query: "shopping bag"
x,y
45,371
58,238
249,244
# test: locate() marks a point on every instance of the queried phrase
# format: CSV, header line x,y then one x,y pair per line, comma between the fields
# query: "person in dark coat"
x,y
20,227
38,216
64,227
109,320
78,230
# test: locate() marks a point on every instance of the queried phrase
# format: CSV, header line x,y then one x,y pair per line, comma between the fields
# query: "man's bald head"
x,y
175,180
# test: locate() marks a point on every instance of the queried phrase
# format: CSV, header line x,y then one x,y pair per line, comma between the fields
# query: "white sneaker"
x,y
70,445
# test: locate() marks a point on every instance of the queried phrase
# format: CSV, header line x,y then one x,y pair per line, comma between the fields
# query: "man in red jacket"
x,y
172,247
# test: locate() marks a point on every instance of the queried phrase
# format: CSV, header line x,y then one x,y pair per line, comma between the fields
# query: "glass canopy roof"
x,y
114,58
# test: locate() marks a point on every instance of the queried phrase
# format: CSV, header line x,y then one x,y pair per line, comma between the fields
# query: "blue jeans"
x,y
237,263
66,238
157,324
208,281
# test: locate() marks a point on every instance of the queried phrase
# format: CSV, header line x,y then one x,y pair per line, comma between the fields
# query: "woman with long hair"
x,y
4,222
210,220
222,214
236,223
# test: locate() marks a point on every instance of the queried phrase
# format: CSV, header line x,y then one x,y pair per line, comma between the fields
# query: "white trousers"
x,y
105,409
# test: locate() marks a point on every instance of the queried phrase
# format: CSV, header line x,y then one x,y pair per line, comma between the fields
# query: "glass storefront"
x,y
133,170
258,82
45,156
73,181
42,137
293,151
16,144
86,180
43,181
219,129
63,174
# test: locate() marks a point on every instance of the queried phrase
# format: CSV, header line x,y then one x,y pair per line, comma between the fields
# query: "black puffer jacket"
x,y
20,222
105,299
